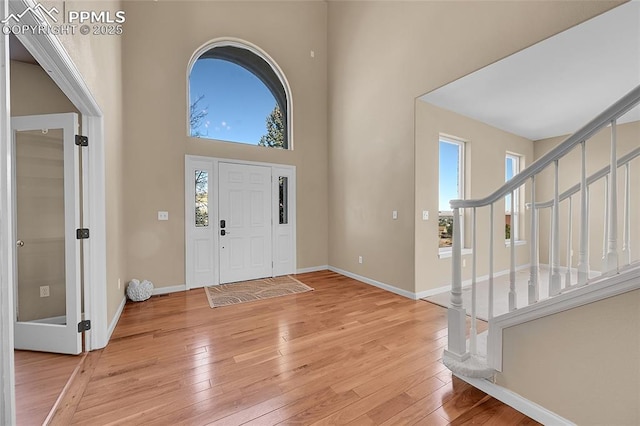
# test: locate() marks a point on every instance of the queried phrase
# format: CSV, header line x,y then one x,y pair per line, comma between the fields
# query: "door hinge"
x,y
82,233
84,326
82,140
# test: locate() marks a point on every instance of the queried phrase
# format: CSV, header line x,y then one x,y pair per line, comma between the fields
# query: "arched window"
x,y
238,94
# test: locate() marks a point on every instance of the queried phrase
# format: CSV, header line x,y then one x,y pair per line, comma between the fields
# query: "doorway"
x,y
240,220
47,180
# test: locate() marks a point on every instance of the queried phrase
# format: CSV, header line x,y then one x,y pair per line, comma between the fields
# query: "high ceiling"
x,y
556,86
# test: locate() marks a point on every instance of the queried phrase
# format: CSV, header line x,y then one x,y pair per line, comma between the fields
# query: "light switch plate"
x,y
394,214
425,214
163,215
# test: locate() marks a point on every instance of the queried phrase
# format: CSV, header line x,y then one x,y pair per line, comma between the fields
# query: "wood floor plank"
x,y
346,353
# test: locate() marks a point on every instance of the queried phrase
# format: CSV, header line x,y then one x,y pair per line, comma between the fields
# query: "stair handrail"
x,y
627,158
616,110
457,350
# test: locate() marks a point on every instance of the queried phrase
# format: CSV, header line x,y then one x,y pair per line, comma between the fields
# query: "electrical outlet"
x,y
359,259
425,214
119,283
464,263
394,214
44,291
163,215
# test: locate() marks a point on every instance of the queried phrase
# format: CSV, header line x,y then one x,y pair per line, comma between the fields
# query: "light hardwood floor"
x,y
40,378
344,353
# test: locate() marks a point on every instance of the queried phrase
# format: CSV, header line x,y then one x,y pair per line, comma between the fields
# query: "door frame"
x,y
191,161
52,56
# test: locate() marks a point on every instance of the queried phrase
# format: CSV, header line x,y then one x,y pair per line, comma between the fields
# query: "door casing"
x,y
202,278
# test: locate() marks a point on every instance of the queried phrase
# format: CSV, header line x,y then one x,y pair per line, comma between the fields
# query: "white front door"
x,y
48,203
245,227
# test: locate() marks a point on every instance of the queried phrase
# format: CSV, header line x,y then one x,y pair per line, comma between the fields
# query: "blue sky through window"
x,y
449,170
237,102
509,169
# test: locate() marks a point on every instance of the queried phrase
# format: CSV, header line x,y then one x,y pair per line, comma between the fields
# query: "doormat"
x,y
248,291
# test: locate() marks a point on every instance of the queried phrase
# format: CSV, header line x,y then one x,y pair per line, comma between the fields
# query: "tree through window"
x,y
236,95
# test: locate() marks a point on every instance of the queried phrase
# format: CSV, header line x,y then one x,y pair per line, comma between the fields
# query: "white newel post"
x,y
612,243
474,330
583,254
556,279
456,315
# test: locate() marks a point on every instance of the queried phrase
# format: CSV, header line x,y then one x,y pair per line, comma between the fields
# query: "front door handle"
x,y
20,243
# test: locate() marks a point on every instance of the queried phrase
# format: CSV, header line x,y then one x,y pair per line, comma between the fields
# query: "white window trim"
x,y
447,252
243,44
515,216
444,252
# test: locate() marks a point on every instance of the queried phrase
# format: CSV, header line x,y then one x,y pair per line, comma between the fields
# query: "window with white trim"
x,y
512,211
450,187
238,94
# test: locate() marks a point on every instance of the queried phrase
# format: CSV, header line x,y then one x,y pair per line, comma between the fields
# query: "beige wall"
x,y
40,261
598,153
98,58
159,41
382,56
33,92
486,148
581,364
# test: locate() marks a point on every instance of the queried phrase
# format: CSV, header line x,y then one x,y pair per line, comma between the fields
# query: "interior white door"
x,y
244,211
47,199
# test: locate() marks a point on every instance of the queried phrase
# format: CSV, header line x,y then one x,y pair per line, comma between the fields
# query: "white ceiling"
x,y
556,86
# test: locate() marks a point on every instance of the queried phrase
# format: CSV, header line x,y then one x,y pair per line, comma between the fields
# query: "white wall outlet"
x,y
44,291
163,215
464,263
394,214
425,214
313,54
359,259
119,283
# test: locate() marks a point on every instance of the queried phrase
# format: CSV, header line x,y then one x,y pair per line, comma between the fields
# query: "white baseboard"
x,y
375,283
116,318
312,269
434,291
166,290
466,283
512,399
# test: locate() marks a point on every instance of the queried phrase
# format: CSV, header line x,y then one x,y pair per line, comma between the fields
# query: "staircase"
x,y
573,284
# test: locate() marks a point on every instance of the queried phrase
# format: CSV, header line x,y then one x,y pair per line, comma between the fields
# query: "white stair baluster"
x,y
583,255
491,239
626,241
513,296
533,248
556,280
605,232
567,281
550,247
612,244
